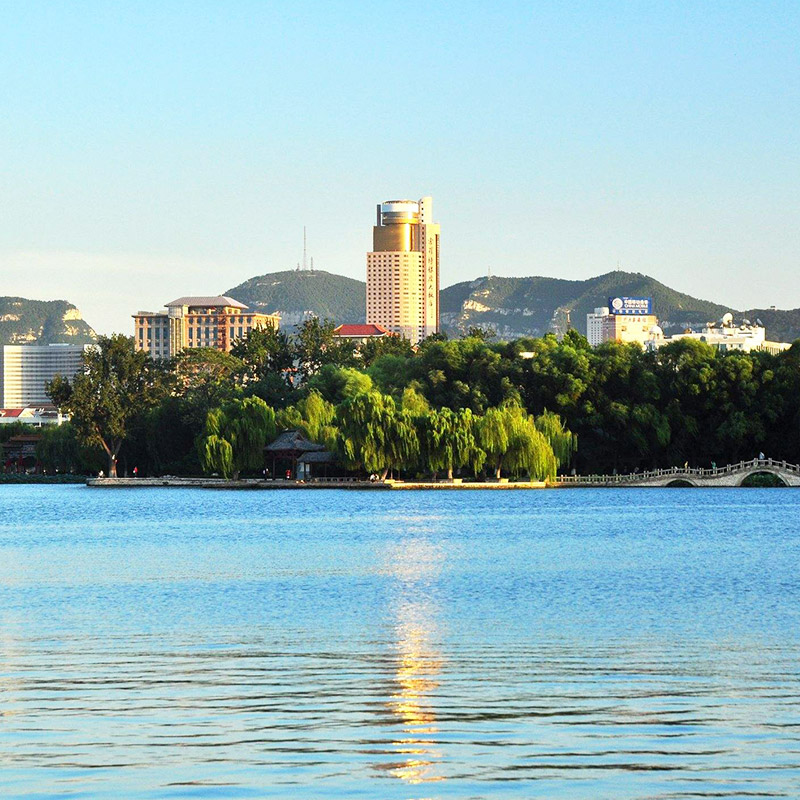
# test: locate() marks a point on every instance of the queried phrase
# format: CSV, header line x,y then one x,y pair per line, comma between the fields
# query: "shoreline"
x,y
257,484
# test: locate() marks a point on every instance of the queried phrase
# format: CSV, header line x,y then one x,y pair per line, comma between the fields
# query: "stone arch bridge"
x,y
732,475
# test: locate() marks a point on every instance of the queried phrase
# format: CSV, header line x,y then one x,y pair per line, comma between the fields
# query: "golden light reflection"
x,y
418,664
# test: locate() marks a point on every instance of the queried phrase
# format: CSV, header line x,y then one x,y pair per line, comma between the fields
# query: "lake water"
x,y
635,643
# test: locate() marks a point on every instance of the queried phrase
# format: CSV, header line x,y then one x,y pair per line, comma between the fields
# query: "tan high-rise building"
x,y
403,269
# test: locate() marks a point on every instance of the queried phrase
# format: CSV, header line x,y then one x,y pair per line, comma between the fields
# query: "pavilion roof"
x,y
320,457
292,444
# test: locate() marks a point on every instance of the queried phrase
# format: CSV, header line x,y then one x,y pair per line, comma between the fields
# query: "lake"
x,y
633,643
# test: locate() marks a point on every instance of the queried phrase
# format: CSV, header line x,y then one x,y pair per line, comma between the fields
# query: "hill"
x,y
533,306
42,322
295,294
513,307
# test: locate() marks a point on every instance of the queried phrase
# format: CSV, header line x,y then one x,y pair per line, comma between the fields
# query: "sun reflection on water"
x,y
418,663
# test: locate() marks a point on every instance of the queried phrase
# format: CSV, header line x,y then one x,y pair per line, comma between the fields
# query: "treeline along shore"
x,y
474,406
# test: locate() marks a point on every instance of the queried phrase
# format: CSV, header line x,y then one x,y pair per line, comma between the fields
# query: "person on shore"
x,y
101,474
714,465
136,472
761,456
685,466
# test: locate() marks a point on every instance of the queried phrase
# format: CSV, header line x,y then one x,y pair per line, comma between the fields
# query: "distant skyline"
x,y
154,150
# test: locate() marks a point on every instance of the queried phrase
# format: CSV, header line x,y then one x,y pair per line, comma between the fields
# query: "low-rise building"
x,y
725,336
359,334
32,415
19,453
197,322
26,369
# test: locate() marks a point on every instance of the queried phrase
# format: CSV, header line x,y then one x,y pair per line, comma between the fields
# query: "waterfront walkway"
x,y
315,483
729,476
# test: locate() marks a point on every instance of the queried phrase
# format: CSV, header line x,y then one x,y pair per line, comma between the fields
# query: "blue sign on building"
x,y
630,305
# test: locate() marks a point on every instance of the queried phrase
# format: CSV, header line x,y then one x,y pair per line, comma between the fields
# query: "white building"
x,y
594,325
36,417
725,336
25,370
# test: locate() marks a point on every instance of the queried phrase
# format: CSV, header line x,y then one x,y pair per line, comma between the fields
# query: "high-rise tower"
x,y
403,269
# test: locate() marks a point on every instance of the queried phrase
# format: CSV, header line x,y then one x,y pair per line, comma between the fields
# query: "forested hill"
x,y
513,307
296,293
42,322
533,306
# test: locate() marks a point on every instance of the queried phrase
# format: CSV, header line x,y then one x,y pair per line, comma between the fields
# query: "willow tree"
x,y
235,435
511,441
450,442
375,434
316,418
563,441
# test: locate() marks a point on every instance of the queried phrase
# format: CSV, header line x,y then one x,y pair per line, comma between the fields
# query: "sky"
x,y
155,149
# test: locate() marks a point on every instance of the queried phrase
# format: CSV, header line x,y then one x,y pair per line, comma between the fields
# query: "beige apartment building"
x,y
196,322
623,320
403,269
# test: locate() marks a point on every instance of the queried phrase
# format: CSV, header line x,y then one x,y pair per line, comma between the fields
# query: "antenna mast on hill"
x,y
305,252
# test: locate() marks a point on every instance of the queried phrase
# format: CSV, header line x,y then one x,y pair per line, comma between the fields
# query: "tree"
x,y
235,435
59,451
511,440
116,384
206,378
336,384
477,332
315,346
374,348
265,351
317,417
563,442
375,434
450,442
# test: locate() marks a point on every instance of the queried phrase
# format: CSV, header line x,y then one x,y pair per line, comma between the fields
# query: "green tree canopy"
x,y
336,384
376,435
116,384
511,441
450,440
235,435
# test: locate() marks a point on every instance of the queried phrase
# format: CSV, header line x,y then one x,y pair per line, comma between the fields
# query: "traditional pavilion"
x,y
294,448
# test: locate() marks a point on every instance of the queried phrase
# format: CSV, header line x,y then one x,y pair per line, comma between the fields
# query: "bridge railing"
x,y
683,472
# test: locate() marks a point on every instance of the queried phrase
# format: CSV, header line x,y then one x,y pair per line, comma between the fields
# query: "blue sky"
x,y
149,150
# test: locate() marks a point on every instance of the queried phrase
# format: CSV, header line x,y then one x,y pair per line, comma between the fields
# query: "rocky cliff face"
x,y
25,321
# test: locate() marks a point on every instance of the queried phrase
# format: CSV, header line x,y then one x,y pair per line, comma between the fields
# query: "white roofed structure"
x,y
207,302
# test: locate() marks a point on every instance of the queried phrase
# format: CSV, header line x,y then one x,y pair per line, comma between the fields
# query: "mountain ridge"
x,y
513,307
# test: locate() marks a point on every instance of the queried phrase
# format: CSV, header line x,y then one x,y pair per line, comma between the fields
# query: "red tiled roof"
x,y
11,412
362,330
